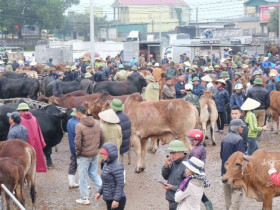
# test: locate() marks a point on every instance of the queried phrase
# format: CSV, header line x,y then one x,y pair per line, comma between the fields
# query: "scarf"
x,y
183,186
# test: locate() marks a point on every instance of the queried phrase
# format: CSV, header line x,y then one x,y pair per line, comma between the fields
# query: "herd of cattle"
x,y
164,120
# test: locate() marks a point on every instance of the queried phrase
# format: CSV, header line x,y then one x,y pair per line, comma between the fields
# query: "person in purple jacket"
x,y
196,137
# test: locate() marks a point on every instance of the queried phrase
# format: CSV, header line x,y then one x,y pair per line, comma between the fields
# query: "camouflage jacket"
x,y
192,99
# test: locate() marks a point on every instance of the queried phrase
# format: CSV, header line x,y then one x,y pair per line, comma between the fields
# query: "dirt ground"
x,y
142,190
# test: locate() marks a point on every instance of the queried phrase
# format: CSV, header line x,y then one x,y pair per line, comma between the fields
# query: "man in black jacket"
x,y
174,170
68,74
260,94
57,89
232,143
100,75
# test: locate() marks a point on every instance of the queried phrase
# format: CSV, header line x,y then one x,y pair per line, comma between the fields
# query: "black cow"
x,y
46,80
133,84
14,75
67,87
51,120
23,87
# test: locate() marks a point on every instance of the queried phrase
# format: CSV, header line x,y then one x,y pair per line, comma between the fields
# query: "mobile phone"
x,y
161,182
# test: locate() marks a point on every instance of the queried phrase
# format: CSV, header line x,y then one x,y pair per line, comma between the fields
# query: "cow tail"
x,y
32,174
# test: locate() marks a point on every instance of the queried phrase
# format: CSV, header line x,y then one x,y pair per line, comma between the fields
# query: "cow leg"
x,y
129,156
137,147
8,201
153,145
143,152
48,152
275,115
204,132
212,127
19,194
267,201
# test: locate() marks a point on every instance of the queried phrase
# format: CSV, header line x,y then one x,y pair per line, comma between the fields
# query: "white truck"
x,y
178,48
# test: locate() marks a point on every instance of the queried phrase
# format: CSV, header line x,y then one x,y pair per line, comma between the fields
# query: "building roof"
x,y
150,2
254,3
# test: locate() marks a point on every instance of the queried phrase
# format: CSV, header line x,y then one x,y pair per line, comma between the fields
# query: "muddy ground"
x,y
142,190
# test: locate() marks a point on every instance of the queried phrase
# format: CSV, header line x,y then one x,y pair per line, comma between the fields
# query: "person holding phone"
x,y
174,171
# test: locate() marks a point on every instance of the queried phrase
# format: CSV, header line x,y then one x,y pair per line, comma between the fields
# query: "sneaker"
x,y
83,201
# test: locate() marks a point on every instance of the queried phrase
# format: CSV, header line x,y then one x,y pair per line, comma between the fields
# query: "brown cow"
x,y
251,173
275,108
25,154
12,176
43,98
96,106
208,115
168,118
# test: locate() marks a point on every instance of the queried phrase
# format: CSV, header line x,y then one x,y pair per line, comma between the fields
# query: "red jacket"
x,y
35,138
275,178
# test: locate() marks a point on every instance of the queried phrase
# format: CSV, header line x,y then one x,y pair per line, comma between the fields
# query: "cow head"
x,y
52,100
106,106
93,108
238,166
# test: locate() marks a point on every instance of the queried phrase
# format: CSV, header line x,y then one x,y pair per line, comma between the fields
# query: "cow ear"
x,y
86,104
226,165
244,166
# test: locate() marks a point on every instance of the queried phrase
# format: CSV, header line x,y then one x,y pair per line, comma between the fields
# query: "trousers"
x,y
233,196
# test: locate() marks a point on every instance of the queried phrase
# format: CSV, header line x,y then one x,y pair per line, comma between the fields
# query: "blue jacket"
x,y
198,90
18,131
231,143
237,100
266,64
112,175
125,124
221,99
71,124
84,67
133,62
178,87
270,85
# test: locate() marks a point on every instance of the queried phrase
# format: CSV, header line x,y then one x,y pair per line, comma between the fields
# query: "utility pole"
x,y
197,31
279,19
160,20
92,33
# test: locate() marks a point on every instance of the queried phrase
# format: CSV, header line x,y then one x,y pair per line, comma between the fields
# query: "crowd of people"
x,y
241,106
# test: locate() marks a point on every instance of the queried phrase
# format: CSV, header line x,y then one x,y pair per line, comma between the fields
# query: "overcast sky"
x,y
207,9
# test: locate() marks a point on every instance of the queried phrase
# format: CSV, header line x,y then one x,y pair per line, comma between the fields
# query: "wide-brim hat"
x,y
195,79
216,66
33,63
223,60
258,81
156,64
221,81
177,146
195,165
250,104
46,67
117,105
238,73
9,62
2,62
134,68
67,67
210,68
73,68
149,64
224,74
88,75
109,116
205,69
244,66
23,106
20,62
238,86
206,78
265,59
73,113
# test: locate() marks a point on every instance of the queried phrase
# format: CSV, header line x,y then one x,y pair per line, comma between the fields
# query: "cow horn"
x,y
246,158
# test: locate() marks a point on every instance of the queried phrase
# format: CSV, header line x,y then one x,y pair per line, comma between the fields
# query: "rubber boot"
x,y
71,180
208,205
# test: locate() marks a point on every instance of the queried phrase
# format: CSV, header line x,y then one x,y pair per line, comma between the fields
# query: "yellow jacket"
x,y
152,92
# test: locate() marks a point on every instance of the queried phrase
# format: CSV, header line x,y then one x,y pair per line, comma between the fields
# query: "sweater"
x,y
112,176
252,122
18,131
190,198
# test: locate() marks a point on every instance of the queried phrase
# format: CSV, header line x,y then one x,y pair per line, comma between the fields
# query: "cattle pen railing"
x,y
7,191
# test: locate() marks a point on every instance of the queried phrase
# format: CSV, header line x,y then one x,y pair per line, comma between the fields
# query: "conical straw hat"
x,y
206,78
250,104
109,116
